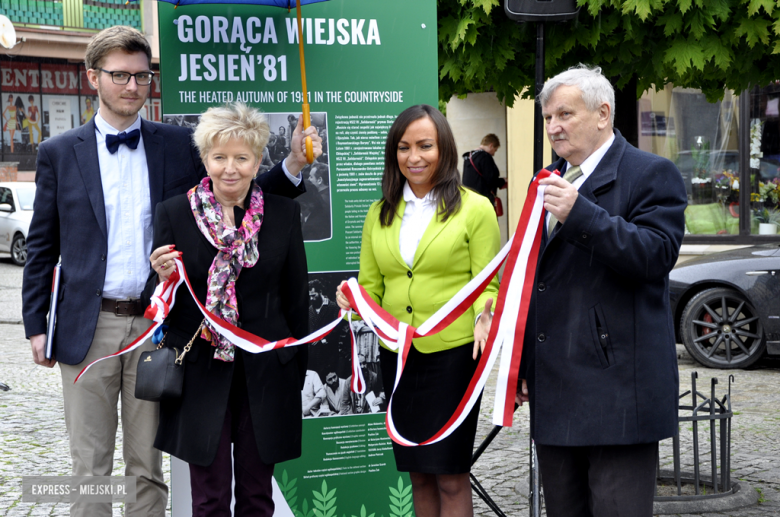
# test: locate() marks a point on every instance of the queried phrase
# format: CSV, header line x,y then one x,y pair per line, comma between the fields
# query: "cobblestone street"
x,y
503,468
33,440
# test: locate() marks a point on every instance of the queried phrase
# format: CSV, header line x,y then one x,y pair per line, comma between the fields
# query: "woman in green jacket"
x,y
422,242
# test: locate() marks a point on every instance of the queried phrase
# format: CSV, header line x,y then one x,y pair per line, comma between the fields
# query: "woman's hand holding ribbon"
x,y
162,261
341,300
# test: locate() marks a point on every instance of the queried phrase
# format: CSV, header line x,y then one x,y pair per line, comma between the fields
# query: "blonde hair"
x,y
220,124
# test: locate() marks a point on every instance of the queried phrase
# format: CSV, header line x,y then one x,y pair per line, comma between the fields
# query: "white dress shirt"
x,y
296,180
417,216
125,179
587,167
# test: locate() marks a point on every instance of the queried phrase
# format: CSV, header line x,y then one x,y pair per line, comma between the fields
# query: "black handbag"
x,y
160,373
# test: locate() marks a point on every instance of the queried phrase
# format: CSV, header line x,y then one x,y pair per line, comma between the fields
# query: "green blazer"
x,y
450,254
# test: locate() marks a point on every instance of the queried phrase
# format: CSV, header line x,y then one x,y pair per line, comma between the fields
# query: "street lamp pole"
x,y
538,12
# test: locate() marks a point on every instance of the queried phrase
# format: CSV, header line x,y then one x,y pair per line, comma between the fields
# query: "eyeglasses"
x,y
122,78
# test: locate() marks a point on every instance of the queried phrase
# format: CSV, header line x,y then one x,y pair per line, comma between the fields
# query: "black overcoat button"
x,y
541,337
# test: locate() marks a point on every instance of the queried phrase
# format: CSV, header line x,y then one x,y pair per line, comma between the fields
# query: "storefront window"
x,y
765,159
701,138
41,98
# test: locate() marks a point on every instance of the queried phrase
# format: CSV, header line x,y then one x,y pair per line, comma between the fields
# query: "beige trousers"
x,y
91,418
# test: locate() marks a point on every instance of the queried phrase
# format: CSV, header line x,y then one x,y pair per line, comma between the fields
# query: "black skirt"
x,y
431,387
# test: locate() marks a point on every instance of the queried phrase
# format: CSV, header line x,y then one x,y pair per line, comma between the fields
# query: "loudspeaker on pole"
x,y
541,10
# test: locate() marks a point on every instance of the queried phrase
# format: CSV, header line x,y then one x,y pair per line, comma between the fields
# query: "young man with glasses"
x,y
97,187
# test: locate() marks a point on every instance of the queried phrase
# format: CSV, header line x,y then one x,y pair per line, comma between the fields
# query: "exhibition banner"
x,y
366,61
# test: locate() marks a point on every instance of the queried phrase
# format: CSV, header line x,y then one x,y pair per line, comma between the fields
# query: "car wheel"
x,y
19,250
721,329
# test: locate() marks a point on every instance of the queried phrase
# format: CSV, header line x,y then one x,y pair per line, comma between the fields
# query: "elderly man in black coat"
x,y
599,362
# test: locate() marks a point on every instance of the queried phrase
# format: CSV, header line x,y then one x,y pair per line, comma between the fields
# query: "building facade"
x,y
43,83
728,153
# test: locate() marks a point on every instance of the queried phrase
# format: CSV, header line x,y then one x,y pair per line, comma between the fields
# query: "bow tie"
x,y
129,139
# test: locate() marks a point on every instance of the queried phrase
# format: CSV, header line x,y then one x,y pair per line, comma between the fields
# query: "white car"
x,y
16,210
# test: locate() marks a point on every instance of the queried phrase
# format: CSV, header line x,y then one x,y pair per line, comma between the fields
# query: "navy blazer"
x,y
599,350
69,220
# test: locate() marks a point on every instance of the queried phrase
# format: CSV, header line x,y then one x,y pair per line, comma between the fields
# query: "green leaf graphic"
x,y
363,512
325,501
288,488
306,512
401,500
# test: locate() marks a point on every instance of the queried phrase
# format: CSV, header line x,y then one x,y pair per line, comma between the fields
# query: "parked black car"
x,y
726,306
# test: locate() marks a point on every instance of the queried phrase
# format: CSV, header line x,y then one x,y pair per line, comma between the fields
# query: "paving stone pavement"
x,y
503,468
10,289
33,440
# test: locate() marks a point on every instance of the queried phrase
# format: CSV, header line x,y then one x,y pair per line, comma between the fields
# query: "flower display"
x,y
756,129
767,192
727,179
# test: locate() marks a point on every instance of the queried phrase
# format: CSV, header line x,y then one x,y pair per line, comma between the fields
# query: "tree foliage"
x,y
707,44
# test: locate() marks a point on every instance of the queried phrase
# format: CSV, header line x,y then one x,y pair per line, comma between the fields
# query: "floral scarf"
x,y
237,250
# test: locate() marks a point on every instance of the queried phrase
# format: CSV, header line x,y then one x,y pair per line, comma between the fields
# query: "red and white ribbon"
x,y
506,335
506,332
357,384
163,299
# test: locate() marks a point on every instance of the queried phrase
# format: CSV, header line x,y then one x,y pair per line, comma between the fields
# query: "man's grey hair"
x,y
596,89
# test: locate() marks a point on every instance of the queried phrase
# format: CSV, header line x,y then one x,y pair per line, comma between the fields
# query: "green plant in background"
x,y
324,501
700,154
707,44
768,216
401,500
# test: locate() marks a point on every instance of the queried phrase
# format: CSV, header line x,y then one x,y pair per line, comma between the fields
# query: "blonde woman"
x,y
244,254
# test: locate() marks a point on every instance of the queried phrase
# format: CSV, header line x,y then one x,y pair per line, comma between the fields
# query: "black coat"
x,y
599,349
485,178
69,221
273,303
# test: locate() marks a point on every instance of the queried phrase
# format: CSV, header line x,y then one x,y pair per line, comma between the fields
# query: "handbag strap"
x,y
187,348
472,164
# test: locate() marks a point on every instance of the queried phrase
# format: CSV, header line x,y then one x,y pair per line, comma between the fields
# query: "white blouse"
x,y
417,217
